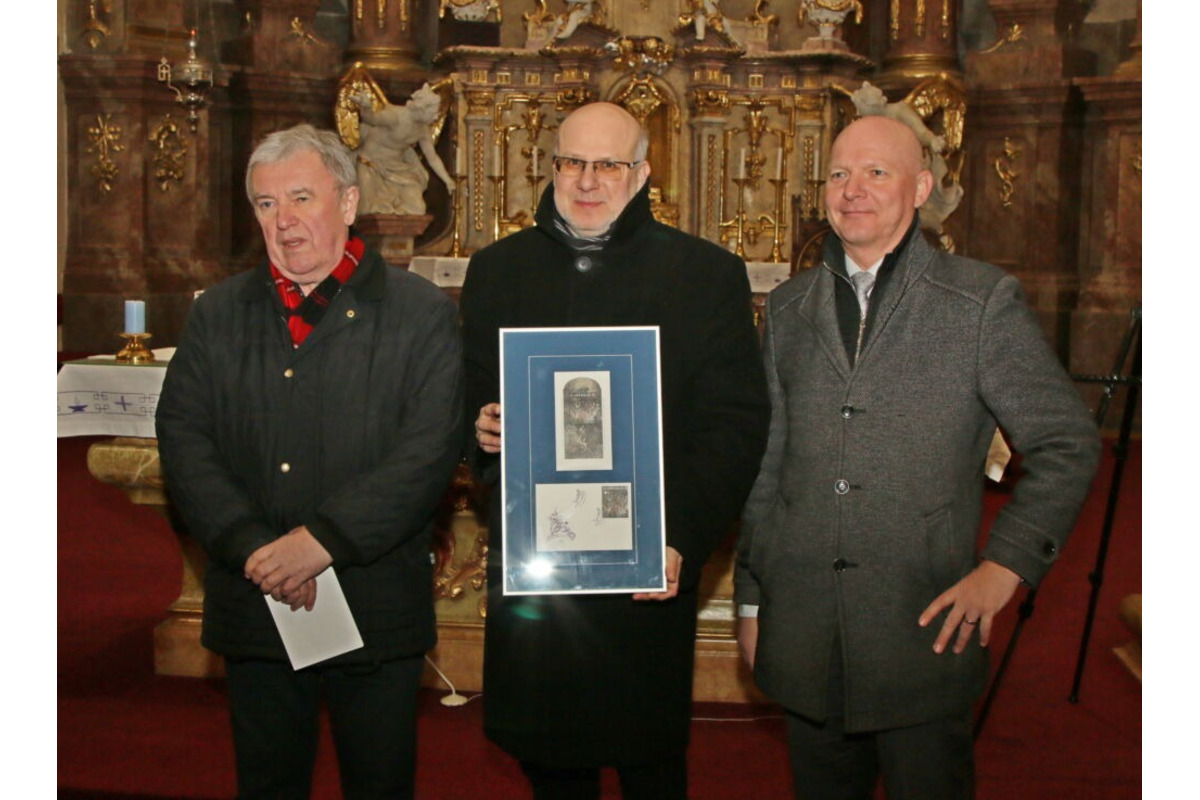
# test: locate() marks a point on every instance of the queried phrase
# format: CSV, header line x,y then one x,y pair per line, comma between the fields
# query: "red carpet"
x,y
126,734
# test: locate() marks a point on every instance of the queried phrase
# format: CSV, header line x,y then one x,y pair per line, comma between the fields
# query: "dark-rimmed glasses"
x,y
605,170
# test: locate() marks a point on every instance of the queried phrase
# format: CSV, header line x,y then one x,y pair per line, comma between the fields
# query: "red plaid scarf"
x,y
305,312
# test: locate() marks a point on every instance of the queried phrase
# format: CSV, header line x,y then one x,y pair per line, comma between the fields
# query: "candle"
x,y
742,164
817,164
496,159
779,164
460,165
135,316
534,158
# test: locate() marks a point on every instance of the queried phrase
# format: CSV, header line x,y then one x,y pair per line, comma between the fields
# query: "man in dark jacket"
x,y
576,682
311,418
890,366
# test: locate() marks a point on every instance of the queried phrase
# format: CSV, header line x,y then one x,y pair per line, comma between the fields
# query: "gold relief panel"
x,y
533,79
504,78
105,139
169,152
479,76
477,167
787,82
755,81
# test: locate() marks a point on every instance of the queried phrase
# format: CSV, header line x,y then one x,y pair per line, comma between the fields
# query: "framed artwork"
x,y
581,465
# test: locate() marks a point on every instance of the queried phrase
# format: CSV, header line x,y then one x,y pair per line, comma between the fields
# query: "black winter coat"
x,y
366,415
602,679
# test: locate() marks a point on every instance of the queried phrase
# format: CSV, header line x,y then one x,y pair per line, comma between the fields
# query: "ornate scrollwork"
x,y
1003,166
169,153
105,138
571,97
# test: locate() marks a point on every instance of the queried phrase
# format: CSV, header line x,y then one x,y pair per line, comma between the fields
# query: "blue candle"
x,y
135,316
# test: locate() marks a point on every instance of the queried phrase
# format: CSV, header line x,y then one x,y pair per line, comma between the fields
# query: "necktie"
x,y
863,282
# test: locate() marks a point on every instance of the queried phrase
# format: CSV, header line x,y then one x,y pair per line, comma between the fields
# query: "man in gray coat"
x,y
889,367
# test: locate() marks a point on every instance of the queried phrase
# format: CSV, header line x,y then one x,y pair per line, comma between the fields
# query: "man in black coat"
x,y
311,419
573,683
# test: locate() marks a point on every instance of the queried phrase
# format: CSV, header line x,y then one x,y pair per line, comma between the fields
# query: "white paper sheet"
x,y
318,635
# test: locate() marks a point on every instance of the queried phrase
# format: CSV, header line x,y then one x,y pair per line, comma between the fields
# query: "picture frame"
x,y
582,461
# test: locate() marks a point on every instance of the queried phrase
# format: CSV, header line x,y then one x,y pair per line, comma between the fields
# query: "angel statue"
x,y
578,12
385,137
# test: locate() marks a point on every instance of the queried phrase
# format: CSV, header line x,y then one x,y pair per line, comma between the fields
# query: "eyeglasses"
x,y
604,170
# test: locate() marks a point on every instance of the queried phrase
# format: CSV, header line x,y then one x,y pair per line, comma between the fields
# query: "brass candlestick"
x,y
738,224
135,350
777,238
456,249
500,188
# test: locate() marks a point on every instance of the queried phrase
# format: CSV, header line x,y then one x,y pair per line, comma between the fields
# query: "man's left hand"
x,y
674,565
281,567
973,604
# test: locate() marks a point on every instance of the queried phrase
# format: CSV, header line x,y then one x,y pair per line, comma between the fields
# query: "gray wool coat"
x,y
869,500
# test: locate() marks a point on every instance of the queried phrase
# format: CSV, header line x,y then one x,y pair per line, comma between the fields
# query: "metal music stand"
x,y
1131,341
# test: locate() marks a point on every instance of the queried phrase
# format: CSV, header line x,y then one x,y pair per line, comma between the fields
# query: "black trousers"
x,y
372,714
658,780
930,761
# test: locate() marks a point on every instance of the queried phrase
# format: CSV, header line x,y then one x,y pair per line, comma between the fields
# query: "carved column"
x,y
383,38
1110,258
922,41
710,107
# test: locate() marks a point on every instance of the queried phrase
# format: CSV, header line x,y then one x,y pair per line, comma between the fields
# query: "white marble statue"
x,y
391,177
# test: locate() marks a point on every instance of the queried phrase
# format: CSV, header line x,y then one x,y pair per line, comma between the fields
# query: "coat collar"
x,y
911,259
631,219
368,281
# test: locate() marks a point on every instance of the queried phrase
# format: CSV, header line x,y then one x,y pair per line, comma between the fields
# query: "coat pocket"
x,y
941,548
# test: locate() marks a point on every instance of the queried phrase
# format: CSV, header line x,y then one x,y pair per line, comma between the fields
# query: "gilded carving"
x,y
306,37
1003,165
758,17
471,10
710,101
894,24
169,153
641,54
1012,34
1136,161
919,19
480,102
95,30
572,97
477,168
105,139
946,20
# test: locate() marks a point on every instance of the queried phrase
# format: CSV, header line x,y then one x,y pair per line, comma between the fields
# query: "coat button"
x,y
1049,550
839,565
583,263
351,314
285,467
287,373
841,486
847,412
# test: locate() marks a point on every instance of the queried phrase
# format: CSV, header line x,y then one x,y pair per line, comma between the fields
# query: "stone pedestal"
x,y
393,234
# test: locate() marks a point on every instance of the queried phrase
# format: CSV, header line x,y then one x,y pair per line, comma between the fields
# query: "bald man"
x,y
864,605
576,683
